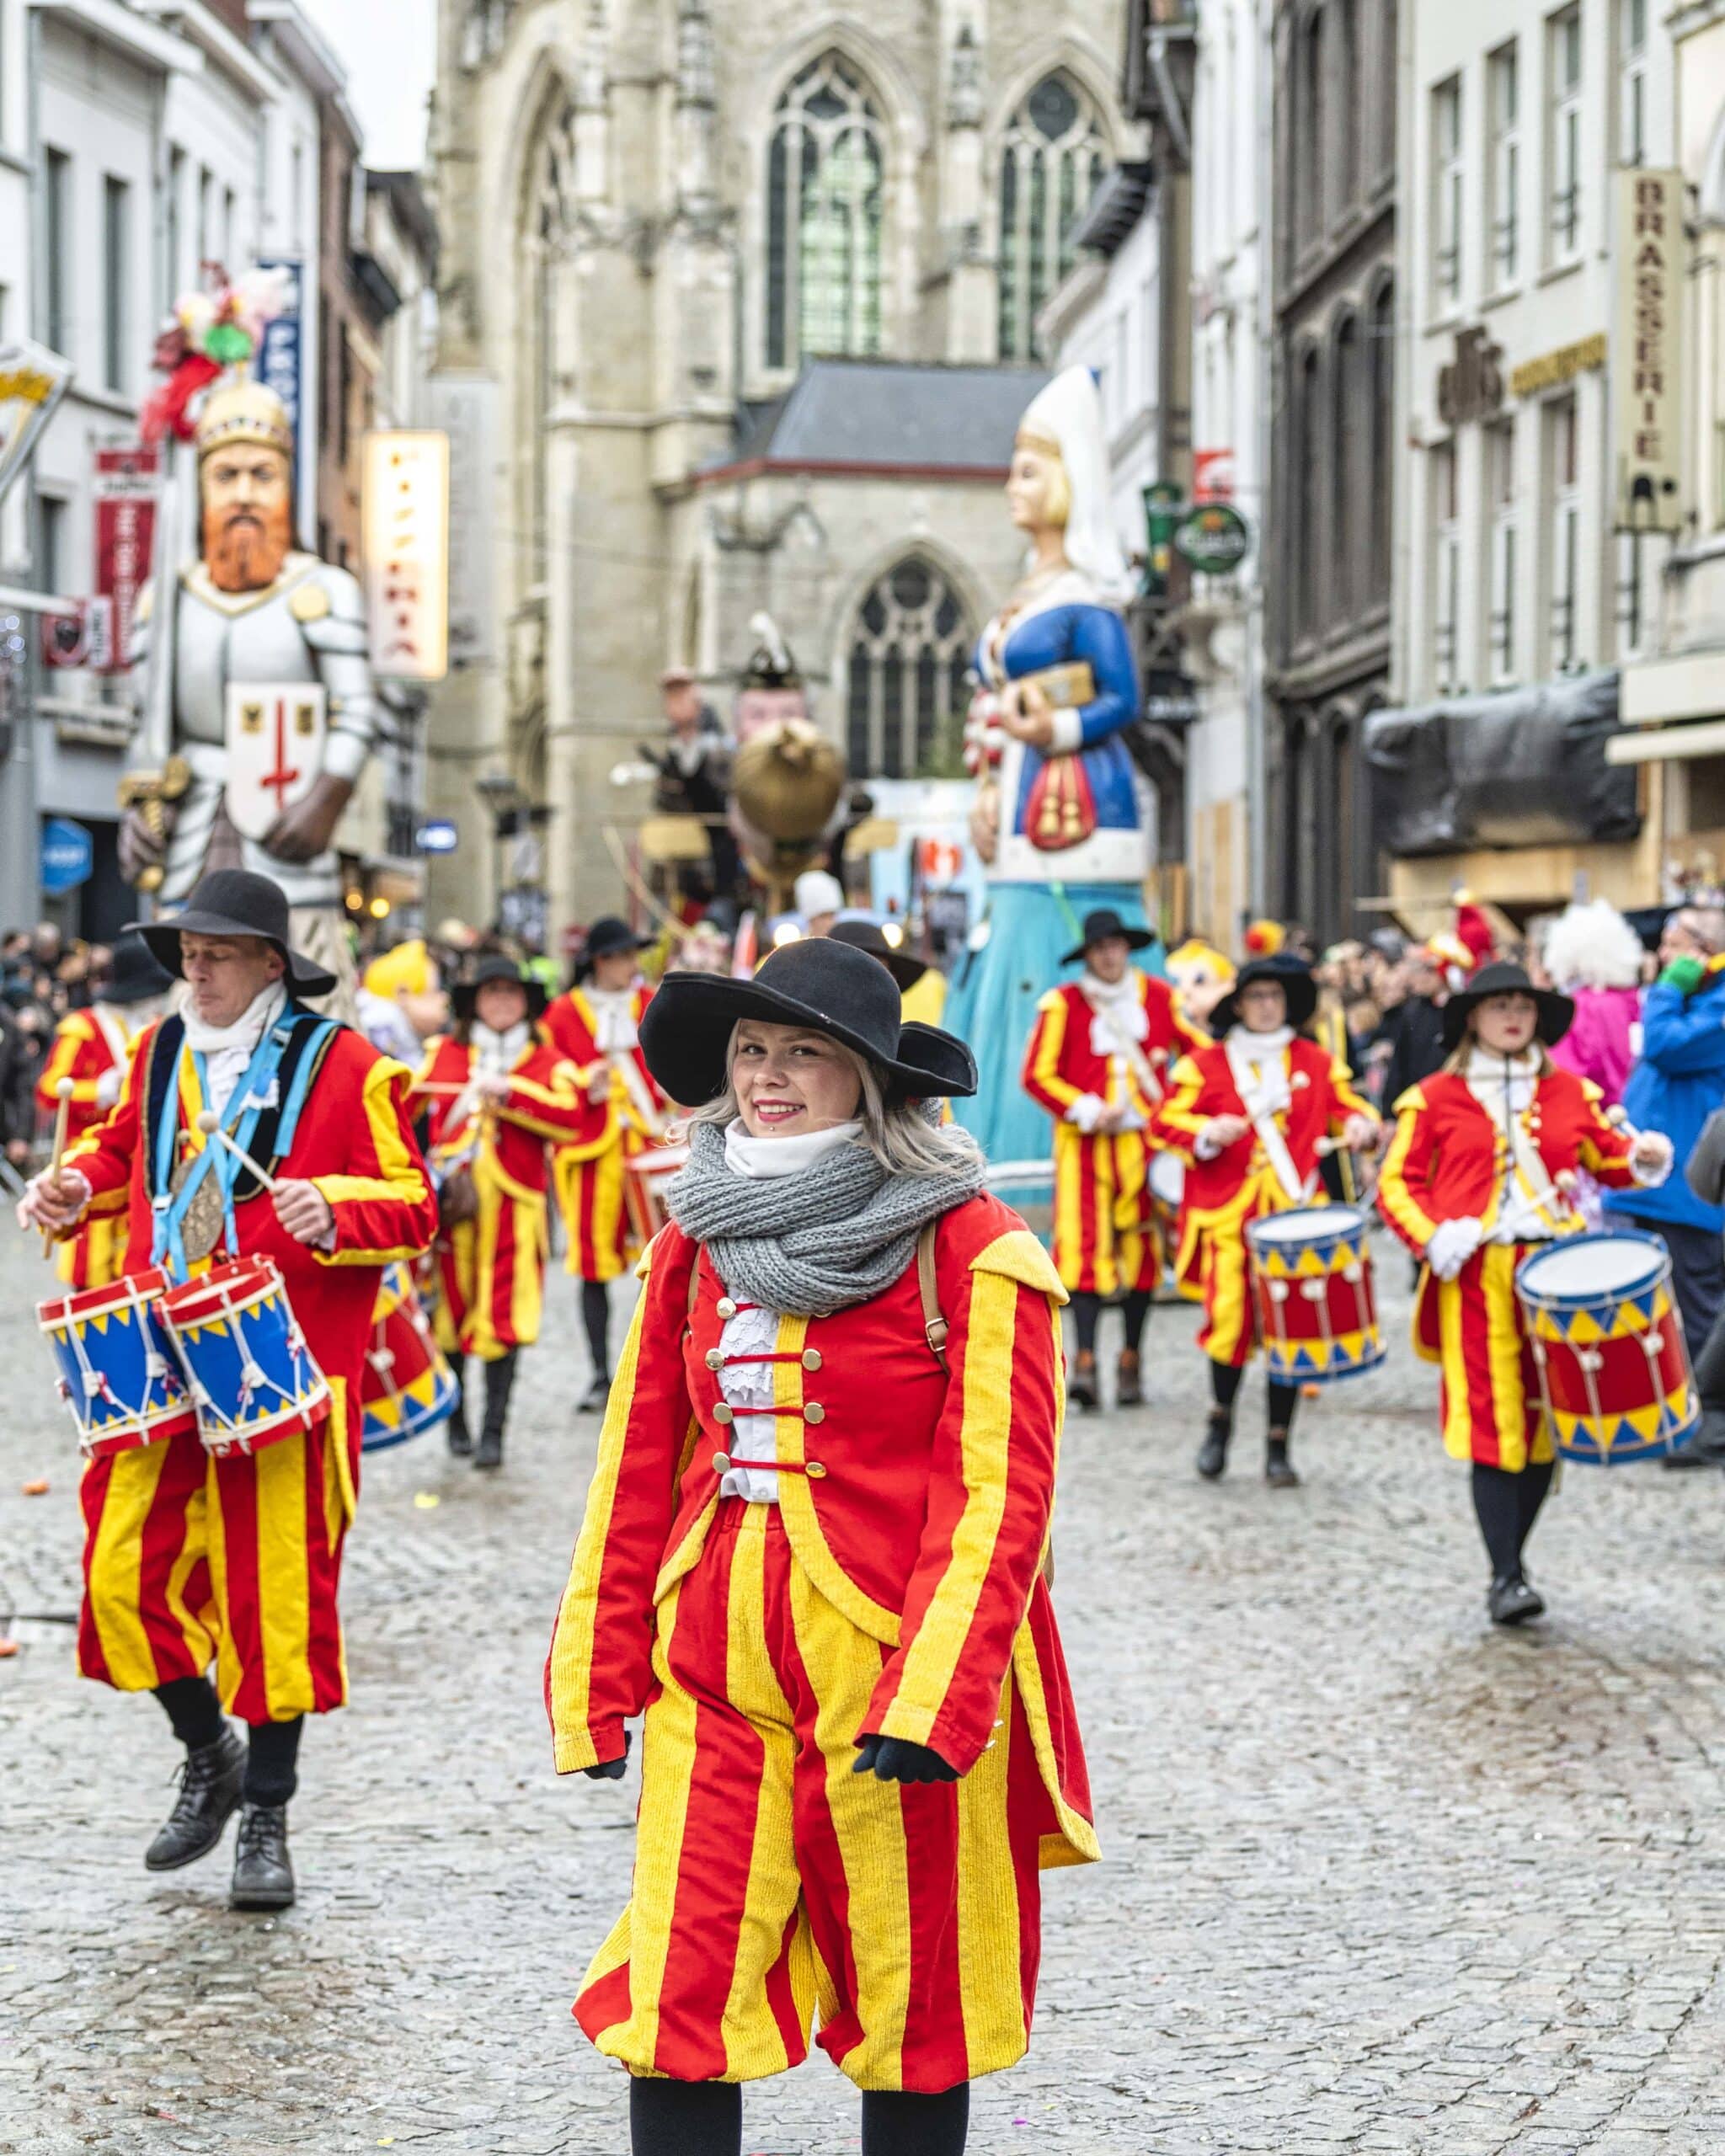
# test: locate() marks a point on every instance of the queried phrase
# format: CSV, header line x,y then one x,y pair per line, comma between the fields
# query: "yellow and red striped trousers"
x,y
1105,1239
189,1561
1491,1407
769,1878
95,1257
1229,1333
591,1195
492,1273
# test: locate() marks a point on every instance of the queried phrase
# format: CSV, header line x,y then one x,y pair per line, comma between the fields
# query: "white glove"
x,y
1650,1158
1453,1244
1086,1112
108,1087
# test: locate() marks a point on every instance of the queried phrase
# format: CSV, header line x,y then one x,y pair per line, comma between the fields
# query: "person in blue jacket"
x,y
1675,1086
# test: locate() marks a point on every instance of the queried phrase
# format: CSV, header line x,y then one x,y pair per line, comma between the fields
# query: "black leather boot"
x,y
262,1875
459,1436
1513,1601
1129,1381
1277,1471
1081,1384
1213,1452
499,1380
209,1793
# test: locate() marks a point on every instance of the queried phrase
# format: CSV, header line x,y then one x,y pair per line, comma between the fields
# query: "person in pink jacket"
x,y
1594,958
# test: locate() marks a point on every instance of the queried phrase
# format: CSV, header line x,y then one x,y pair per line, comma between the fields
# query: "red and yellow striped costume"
x,y
88,1046
187,1559
592,1174
1239,1185
491,1269
896,1589
1105,1237
1449,1160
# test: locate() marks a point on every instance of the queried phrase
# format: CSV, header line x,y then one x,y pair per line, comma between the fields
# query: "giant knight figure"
x,y
264,721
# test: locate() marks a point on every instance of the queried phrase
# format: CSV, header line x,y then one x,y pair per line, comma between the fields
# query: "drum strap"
x,y
1138,1063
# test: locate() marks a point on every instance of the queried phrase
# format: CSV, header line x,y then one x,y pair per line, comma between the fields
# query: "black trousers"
x,y
1697,1273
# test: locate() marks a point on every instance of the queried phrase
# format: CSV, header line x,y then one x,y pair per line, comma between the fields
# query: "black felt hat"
x,y
828,986
464,996
235,902
605,939
1506,979
1105,922
1293,976
905,967
135,973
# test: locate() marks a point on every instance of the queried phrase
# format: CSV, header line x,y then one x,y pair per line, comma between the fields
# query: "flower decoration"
x,y
210,329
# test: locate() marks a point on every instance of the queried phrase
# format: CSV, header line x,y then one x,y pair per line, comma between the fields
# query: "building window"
x,y
1640,560
910,652
1381,364
1308,130
1445,565
1500,504
116,282
53,519
1345,32
1503,168
56,244
1563,133
229,256
1631,81
206,237
1051,161
1562,497
1345,497
297,197
1306,486
824,216
1447,181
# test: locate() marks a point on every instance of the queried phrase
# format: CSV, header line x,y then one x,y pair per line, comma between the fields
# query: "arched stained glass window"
x,y
1051,161
911,648
824,213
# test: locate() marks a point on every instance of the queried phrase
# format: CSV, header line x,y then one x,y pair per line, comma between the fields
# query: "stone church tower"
x,y
738,310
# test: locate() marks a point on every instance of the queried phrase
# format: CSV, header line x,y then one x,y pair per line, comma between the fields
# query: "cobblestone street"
x,y
1377,1878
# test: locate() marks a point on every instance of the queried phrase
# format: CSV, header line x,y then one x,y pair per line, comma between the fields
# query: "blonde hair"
x,y
901,1134
1058,508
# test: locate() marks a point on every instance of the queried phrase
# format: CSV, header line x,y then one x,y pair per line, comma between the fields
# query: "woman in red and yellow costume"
x,y
496,1098
1474,1178
1098,1061
596,1026
92,1047
813,1555
1253,1117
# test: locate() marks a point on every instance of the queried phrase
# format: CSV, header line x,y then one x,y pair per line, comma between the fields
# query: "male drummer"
x,y
189,1560
1253,1117
1099,1060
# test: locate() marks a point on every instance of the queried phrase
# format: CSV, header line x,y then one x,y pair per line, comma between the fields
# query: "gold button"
x,y
811,1359
814,1412
715,1361
727,1308
721,1463
815,1472
722,1414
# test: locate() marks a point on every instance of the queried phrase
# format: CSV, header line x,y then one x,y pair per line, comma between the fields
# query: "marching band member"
x,y
91,1047
596,1026
1474,1178
859,1746
190,1560
497,1098
1253,1117
1099,1060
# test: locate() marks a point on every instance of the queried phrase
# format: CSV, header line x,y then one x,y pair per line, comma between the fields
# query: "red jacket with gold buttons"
x,y
917,1498
1063,1062
506,1142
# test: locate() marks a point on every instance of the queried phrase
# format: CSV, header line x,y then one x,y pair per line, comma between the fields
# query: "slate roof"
x,y
886,415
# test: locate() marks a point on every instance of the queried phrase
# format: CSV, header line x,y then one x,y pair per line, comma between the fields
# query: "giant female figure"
x,y
1059,815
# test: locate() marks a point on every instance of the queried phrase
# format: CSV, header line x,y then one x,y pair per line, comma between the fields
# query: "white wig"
x,y
1066,415
1592,945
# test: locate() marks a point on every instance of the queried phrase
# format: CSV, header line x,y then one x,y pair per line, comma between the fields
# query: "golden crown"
x,y
243,412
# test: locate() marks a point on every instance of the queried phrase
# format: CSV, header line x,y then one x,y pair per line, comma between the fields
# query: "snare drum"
x,y
1608,1345
647,1175
1311,1280
118,1371
406,1387
253,1378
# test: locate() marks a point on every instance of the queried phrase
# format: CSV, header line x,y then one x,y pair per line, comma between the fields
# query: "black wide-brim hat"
x,y
1293,976
464,996
1556,1012
830,988
1105,922
234,902
135,975
606,938
905,967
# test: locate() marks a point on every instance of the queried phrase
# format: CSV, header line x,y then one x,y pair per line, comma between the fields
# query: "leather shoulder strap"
x,y
695,1284
934,1325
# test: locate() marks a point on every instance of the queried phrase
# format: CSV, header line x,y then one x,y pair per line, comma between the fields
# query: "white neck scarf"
x,y
614,1030
228,1050
762,1158
1256,1061
1498,1082
497,1052
1118,1011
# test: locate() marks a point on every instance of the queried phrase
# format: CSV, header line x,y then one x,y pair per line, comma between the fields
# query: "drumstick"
x,y
209,1123
62,1093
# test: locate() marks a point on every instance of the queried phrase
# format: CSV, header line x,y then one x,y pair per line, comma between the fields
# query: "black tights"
x,y
1086,1314
1507,1504
595,1316
272,1753
705,2118
1224,1383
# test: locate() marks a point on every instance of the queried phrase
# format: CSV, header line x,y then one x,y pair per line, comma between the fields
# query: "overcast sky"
x,y
389,48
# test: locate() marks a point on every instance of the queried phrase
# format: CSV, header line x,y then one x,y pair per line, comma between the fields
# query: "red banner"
x,y
126,478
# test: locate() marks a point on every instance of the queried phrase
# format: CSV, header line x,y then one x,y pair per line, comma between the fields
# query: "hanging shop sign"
x,y
68,855
281,361
1212,475
1471,386
1214,538
33,380
404,540
127,478
1650,252
83,638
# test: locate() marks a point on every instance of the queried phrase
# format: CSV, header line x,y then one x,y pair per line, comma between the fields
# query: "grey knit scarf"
x,y
839,1232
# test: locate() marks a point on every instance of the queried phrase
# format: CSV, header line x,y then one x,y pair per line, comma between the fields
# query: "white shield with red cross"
x,y
275,732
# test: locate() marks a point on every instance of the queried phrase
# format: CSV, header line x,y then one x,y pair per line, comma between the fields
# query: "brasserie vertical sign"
x,y
1647,350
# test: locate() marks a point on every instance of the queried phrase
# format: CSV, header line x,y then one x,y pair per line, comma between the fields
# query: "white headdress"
x,y
1592,946
1066,415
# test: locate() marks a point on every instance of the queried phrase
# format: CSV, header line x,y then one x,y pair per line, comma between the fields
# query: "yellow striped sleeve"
x,y
1178,1119
70,1038
399,1183
1042,1066
1396,1200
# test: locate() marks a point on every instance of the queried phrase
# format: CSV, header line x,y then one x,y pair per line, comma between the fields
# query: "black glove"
x,y
892,1759
611,1770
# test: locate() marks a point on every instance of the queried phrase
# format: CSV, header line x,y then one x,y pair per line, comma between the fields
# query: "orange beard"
x,y
245,551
